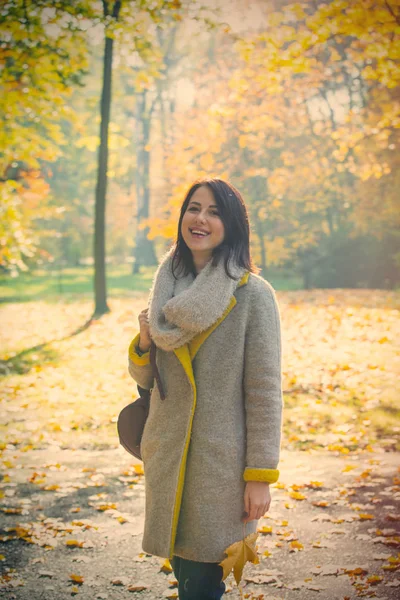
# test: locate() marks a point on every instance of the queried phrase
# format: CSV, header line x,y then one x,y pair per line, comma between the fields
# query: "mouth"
x,y
198,233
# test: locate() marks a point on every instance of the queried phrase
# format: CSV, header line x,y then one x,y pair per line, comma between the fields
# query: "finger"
x,y
250,511
246,511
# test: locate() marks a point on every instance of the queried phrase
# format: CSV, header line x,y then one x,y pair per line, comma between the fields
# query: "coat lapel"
x,y
187,352
200,338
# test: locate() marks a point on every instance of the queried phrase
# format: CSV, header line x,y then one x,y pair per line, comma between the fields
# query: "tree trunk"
x,y
100,289
144,253
306,277
263,252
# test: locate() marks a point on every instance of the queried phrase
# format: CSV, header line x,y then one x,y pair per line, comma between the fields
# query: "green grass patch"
x,y
77,282
71,283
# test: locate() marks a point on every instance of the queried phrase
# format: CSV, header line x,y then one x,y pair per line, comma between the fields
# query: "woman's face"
x,y
202,215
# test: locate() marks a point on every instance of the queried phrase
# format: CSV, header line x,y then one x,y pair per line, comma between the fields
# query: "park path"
x,y
333,519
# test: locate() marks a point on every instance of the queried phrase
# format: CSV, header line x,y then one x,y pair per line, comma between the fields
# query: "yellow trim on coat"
x,y
244,279
267,475
134,356
185,355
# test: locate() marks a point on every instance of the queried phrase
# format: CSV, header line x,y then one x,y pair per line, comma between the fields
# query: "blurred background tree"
x,y
296,103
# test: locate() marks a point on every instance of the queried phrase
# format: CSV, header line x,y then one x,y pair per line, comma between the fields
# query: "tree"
x,y
101,306
300,118
43,54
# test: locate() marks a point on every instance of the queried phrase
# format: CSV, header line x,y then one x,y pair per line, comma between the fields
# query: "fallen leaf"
x,y
166,566
138,587
77,578
238,554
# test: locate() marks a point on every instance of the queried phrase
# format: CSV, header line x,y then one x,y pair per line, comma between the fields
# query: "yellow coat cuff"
x,y
267,475
134,356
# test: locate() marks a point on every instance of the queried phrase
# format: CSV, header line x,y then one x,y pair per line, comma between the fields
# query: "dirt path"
x,y
335,550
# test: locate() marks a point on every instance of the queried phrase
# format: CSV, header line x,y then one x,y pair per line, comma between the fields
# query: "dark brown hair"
x,y
233,212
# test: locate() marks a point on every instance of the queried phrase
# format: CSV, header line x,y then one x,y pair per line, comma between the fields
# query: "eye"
x,y
192,208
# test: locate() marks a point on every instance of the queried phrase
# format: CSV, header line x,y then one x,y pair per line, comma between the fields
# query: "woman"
x,y
211,448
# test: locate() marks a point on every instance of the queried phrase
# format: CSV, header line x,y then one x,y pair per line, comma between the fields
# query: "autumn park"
x,y
109,111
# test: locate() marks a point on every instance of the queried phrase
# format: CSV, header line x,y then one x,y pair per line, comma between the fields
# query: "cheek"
x,y
220,230
185,220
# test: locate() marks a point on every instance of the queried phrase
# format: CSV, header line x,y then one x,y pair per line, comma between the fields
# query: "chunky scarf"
x,y
181,308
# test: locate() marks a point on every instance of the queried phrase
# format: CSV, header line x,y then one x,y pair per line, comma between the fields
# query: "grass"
x,y
70,283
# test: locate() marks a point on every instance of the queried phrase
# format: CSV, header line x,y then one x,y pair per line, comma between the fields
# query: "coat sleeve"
x,y
263,386
139,366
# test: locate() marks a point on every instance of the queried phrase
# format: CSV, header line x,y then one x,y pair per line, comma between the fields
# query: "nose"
x,y
201,217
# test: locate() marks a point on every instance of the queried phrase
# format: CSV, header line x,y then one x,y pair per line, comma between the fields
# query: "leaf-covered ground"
x,y
72,500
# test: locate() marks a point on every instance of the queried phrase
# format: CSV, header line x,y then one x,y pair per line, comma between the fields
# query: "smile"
x,y
198,232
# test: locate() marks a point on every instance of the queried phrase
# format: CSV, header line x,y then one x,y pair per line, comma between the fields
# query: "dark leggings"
x,y
198,580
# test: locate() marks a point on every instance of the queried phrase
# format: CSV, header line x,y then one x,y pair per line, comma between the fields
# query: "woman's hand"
x,y
257,500
145,339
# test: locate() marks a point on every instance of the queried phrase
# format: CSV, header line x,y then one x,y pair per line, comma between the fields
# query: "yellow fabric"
x,y
134,356
183,356
267,475
244,279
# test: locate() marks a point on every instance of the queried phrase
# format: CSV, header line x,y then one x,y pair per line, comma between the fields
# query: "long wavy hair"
x,y
236,244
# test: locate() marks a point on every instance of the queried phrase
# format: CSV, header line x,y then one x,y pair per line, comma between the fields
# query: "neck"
x,y
200,261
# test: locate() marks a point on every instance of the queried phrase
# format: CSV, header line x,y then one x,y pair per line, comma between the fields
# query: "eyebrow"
x,y
198,204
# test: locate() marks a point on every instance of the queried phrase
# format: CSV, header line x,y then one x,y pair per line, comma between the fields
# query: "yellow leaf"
x,y
237,556
103,507
265,529
166,566
74,543
77,578
315,484
296,545
297,496
121,519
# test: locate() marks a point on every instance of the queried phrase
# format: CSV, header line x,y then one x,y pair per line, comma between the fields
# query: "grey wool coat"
x,y
218,427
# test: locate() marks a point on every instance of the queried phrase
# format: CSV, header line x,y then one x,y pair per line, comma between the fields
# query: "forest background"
x,y
295,103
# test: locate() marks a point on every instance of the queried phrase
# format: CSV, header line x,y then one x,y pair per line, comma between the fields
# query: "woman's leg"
x,y
176,564
197,580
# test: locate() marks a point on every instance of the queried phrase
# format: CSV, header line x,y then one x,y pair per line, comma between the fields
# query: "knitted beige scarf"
x,y
181,308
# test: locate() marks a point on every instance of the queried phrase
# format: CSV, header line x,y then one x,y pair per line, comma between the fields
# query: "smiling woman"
x,y
211,445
